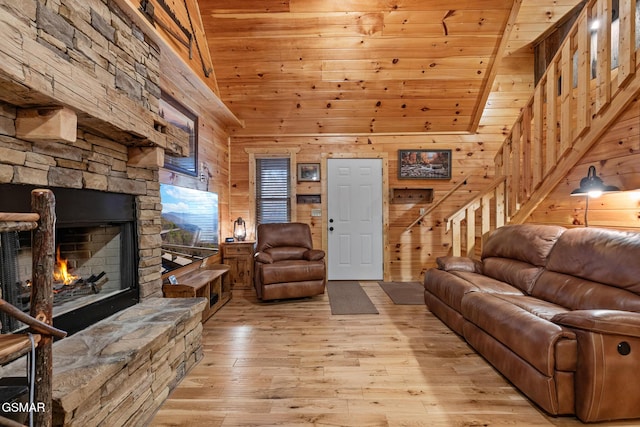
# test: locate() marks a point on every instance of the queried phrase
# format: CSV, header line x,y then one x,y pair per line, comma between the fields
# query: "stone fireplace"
x,y
109,237
96,256
79,95
79,114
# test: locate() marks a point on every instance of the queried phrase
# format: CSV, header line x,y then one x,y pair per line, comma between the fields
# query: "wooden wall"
x,y
410,252
616,157
617,160
213,146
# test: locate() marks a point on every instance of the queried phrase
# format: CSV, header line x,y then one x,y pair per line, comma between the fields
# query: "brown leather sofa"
x,y
286,265
555,310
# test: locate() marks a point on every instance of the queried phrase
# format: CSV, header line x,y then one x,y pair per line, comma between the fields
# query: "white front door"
x,y
354,206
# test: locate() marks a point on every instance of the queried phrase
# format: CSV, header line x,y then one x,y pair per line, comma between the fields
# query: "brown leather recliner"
x,y
286,265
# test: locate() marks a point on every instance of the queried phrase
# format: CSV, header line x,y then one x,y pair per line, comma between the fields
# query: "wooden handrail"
x,y
33,323
10,221
6,422
494,192
435,205
19,217
537,153
473,200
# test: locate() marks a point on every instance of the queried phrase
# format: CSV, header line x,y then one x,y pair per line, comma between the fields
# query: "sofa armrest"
x,y
457,263
608,360
313,255
611,322
263,257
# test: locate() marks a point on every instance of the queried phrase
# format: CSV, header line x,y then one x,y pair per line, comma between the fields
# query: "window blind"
x,y
273,195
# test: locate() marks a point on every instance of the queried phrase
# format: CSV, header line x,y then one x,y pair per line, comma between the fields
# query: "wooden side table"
x,y
239,257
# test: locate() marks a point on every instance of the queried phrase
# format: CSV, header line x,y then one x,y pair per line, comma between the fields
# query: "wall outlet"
x,y
316,212
422,211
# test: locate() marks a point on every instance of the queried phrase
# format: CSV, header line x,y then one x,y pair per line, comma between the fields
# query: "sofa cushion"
x,y
521,323
284,234
520,274
283,253
450,286
292,271
599,255
579,294
530,243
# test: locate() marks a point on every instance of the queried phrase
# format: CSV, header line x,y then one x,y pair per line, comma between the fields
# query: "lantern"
x,y
239,229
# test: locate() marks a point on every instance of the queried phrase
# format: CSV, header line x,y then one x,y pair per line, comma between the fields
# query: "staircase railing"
x,y
589,82
439,202
488,207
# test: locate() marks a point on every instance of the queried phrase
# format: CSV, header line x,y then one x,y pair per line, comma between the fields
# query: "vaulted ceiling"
x,y
294,67
344,67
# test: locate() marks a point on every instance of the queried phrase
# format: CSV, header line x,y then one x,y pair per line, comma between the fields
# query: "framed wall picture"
x,y
179,116
424,164
308,171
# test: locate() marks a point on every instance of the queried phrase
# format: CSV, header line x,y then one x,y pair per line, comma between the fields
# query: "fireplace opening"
x,y
95,272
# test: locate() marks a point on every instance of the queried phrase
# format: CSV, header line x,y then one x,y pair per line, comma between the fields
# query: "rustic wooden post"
x,y
43,203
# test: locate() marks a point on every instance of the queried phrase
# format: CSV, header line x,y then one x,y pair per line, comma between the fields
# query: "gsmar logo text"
x,y
23,407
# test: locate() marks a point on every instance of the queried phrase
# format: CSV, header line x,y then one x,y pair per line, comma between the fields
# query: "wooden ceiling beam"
x,y
494,66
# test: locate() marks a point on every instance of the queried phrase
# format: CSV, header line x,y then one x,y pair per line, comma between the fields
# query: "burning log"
x,y
97,282
91,285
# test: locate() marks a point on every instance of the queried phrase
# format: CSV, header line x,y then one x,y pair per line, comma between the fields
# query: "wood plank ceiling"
x,y
344,67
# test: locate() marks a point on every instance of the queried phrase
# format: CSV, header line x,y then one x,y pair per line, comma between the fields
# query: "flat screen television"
x,y
190,225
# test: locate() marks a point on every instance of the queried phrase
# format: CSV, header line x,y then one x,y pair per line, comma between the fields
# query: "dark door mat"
x,y
348,297
404,293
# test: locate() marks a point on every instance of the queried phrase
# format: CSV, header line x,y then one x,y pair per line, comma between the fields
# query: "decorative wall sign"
x,y
179,116
308,171
424,164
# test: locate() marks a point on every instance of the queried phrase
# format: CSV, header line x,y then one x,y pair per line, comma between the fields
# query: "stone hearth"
x,y
120,370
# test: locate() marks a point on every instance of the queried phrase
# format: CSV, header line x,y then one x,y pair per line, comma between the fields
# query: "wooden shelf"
x,y
411,195
204,282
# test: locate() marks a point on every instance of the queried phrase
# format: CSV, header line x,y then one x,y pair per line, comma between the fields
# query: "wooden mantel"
x,y
32,75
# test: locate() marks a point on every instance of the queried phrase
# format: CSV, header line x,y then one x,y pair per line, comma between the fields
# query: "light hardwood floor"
x,y
292,363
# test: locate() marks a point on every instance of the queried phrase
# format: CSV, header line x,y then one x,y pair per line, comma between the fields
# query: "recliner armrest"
x,y
458,263
608,360
313,255
611,322
263,257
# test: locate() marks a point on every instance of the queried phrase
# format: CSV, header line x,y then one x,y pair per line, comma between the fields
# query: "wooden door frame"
x,y
386,272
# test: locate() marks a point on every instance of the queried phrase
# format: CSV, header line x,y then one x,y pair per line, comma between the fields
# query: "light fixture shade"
x,y
592,185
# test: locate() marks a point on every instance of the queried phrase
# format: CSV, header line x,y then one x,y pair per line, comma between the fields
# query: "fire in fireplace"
x,y
96,258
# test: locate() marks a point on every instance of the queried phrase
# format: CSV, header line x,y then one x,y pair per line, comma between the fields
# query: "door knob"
x,y
330,228
330,219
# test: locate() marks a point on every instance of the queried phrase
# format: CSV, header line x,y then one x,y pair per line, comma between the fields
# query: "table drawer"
x,y
238,249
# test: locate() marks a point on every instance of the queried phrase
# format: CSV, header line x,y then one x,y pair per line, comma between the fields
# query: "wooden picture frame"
x,y
179,116
308,172
424,164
